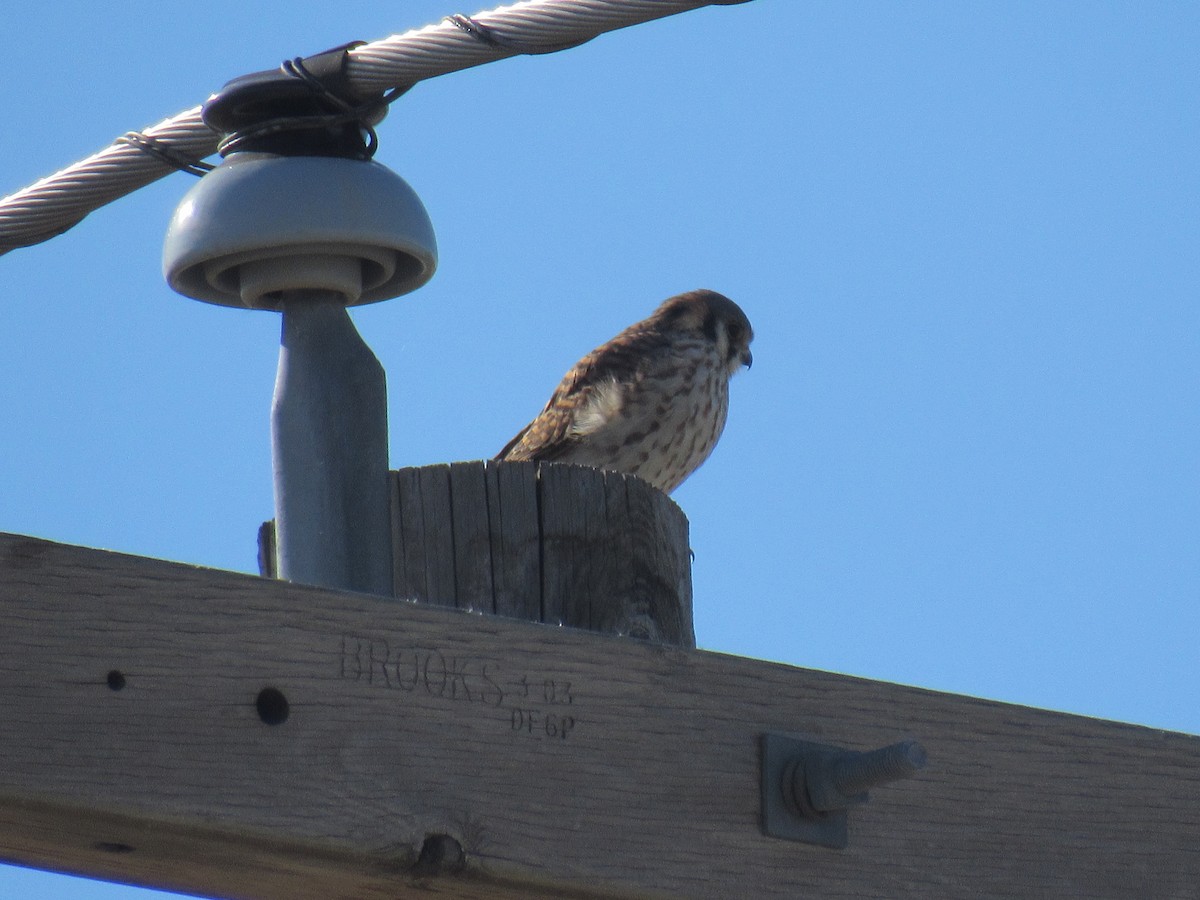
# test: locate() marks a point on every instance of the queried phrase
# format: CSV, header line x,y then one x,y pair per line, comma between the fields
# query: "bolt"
x,y
841,780
855,773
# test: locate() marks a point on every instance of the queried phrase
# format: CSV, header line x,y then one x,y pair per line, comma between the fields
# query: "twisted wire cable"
x,y
53,204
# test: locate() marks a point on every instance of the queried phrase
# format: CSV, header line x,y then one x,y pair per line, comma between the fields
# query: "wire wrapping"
x,y
363,115
383,68
167,154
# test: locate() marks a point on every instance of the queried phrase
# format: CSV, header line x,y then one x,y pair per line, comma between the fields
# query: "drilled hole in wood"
x,y
272,706
440,855
116,680
113,847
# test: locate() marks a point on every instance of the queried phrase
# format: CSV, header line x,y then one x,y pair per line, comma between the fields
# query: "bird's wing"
x,y
588,394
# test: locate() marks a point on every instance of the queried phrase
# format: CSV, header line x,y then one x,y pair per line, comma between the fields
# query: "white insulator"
x,y
260,225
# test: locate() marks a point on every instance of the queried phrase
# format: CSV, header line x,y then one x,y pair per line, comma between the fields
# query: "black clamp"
x,y
306,107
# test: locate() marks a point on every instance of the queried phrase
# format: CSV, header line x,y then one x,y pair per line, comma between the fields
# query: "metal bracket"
x,y
808,787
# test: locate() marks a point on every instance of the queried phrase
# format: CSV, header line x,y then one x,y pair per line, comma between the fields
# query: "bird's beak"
x,y
747,358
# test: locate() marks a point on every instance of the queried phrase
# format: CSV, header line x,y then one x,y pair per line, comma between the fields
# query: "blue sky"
x,y
966,457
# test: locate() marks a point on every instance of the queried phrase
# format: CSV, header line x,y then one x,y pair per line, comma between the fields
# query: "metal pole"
x,y
329,449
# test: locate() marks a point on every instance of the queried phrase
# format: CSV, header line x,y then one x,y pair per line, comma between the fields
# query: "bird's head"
x,y
718,319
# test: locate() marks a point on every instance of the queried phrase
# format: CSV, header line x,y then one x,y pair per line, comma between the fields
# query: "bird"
x,y
652,401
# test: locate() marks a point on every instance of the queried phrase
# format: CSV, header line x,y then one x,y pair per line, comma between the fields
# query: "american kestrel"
x,y
652,401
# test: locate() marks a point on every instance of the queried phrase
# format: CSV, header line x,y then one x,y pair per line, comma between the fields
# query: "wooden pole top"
x,y
544,542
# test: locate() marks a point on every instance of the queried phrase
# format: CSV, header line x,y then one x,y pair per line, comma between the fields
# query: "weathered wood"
x,y
268,561
408,536
437,534
562,762
575,561
516,541
661,567
471,537
563,545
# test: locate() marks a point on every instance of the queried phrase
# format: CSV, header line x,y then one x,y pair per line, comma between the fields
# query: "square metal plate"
x,y
826,829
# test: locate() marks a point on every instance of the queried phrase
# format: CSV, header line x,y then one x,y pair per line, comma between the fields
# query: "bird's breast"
x,y
666,424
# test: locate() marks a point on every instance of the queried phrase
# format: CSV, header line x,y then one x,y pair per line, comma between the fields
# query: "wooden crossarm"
x,y
239,737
